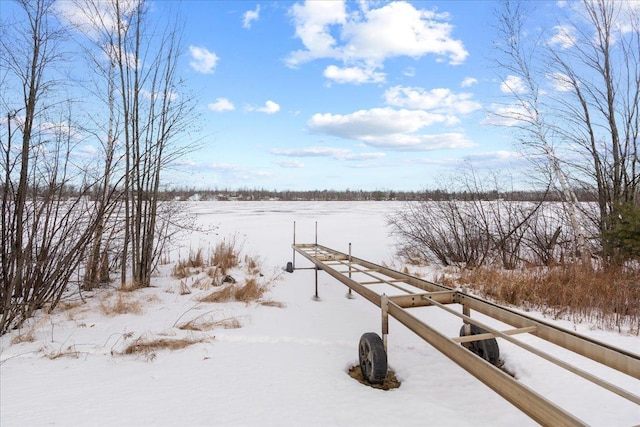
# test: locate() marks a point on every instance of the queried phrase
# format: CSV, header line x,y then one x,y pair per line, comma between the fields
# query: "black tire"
x,y
373,358
487,349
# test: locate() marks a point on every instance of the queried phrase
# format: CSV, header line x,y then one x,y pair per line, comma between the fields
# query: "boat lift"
x,y
476,349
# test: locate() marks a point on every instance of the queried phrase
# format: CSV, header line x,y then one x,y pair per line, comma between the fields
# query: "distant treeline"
x,y
361,195
70,191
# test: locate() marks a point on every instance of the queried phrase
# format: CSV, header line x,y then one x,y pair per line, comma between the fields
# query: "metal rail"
x,y
361,276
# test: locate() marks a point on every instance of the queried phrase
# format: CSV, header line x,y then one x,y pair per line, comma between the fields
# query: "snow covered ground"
x,y
285,365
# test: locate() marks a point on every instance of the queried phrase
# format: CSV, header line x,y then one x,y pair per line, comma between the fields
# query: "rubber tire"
x,y
372,358
487,349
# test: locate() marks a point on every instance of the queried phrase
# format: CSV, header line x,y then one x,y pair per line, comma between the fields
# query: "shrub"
x,y
226,254
609,298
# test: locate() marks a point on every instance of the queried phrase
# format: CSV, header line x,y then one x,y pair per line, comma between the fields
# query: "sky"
x,y
334,95
380,95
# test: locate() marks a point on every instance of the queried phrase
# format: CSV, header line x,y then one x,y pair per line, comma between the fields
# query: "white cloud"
x,y
560,82
366,37
221,104
235,173
399,29
86,152
563,36
629,12
513,85
468,82
60,130
202,60
93,19
626,14
270,107
151,95
420,142
507,115
292,164
312,20
127,58
250,16
332,152
383,121
225,167
389,128
440,100
493,157
355,75
409,71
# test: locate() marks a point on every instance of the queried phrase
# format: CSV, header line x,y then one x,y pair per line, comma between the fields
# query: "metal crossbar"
x,y
344,267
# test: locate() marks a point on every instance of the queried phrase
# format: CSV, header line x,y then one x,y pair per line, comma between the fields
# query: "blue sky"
x,y
379,95
335,95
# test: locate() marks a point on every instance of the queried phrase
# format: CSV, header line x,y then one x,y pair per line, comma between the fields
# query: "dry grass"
x,y
203,283
252,265
271,303
250,291
27,336
608,299
223,295
68,305
184,289
226,254
391,381
123,304
190,266
69,352
129,287
205,324
142,346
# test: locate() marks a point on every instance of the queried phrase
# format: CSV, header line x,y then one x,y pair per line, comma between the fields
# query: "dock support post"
x,y
294,244
349,294
315,246
316,297
384,305
467,312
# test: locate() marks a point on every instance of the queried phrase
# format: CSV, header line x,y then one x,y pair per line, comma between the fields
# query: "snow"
x,y
284,366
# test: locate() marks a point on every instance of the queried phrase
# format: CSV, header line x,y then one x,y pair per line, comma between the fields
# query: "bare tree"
x,y
44,233
154,115
527,113
577,95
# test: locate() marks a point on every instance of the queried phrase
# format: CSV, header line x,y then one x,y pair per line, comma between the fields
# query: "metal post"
x,y
349,263
294,243
384,305
316,243
349,294
467,312
316,297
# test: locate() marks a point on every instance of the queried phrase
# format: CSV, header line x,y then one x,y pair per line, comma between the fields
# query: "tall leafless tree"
x,y
44,233
154,114
576,88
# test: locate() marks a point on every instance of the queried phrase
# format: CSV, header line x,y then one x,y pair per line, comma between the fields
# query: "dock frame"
x,y
360,276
